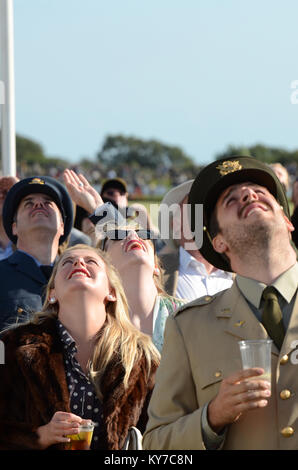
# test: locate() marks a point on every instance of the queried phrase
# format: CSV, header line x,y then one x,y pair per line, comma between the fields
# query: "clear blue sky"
x,y
200,74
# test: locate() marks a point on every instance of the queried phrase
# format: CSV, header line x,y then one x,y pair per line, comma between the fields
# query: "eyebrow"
x,y
234,188
71,257
228,194
30,197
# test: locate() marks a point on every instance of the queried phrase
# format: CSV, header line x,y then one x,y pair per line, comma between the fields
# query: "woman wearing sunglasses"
x,y
132,252
79,359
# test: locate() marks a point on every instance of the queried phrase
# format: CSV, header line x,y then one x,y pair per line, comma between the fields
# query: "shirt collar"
x,y
186,261
66,339
286,284
35,259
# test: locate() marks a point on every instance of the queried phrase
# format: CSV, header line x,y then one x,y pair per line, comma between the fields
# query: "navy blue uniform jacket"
x,y
22,285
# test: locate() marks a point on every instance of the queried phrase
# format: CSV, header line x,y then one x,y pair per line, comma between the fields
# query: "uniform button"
x,y
285,394
217,373
287,432
20,310
284,359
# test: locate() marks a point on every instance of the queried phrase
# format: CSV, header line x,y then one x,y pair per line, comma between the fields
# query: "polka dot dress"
x,y
83,399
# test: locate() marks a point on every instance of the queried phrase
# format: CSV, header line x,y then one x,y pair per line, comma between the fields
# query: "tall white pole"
x,y
7,89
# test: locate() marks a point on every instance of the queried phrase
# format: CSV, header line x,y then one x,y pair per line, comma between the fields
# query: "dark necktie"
x,y
272,316
47,270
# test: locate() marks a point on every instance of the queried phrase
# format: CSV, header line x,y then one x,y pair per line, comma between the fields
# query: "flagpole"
x,y
7,89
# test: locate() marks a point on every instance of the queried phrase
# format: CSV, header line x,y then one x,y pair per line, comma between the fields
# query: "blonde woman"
x,y
79,358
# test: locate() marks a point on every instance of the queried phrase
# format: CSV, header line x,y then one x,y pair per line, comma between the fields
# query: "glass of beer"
x,y
257,353
81,440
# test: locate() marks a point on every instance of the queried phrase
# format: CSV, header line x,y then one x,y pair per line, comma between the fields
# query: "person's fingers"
x,y
66,176
243,374
253,395
83,180
76,178
67,417
250,385
70,180
250,405
62,439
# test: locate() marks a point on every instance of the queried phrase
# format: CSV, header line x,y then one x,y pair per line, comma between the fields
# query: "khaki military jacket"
x,y
200,349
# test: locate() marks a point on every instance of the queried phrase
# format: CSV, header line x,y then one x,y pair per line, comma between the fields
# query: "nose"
x,y
79,262
248,194
38,202
132,235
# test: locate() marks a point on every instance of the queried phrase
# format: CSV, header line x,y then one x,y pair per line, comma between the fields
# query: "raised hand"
x,y
81,192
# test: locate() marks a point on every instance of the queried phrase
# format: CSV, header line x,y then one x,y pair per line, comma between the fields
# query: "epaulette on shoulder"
x,y
205,300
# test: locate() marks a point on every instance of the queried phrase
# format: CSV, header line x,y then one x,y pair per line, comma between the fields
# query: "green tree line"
x,y
118,151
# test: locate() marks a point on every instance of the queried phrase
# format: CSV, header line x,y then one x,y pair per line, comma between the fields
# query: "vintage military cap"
x,y
38,184
211,182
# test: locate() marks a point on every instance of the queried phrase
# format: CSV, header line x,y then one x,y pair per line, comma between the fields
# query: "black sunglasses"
x,y
121,234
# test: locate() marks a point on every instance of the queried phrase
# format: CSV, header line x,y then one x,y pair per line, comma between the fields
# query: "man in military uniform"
x,y
202,397
37,217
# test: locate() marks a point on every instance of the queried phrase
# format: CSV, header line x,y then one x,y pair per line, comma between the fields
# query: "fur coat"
x,y
33,387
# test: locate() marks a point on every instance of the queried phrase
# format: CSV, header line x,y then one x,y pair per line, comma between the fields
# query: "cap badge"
x,y
36,181
228,167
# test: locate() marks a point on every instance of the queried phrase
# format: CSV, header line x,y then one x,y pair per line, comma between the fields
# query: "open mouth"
x,y
134,245
79,273
39,211
252,207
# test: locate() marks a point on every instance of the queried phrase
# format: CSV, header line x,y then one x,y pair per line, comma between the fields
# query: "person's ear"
x,y
14,228
289,224
61,228
111,297
156,271
52,296
219,244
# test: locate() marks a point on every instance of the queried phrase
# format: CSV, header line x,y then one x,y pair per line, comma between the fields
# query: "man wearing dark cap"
x,y
202,397
115,189
37,217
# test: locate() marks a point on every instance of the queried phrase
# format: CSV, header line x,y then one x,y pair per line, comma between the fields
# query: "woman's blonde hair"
x,y
117,336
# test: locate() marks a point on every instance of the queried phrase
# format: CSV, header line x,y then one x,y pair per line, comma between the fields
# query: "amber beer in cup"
x,y
81,440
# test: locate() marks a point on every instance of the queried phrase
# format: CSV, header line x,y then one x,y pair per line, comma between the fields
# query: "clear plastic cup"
x,y
81,440
257,353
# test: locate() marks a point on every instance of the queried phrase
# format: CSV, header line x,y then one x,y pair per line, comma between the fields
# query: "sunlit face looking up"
x,y
130,251
244,200
248,213
38,211
81,271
